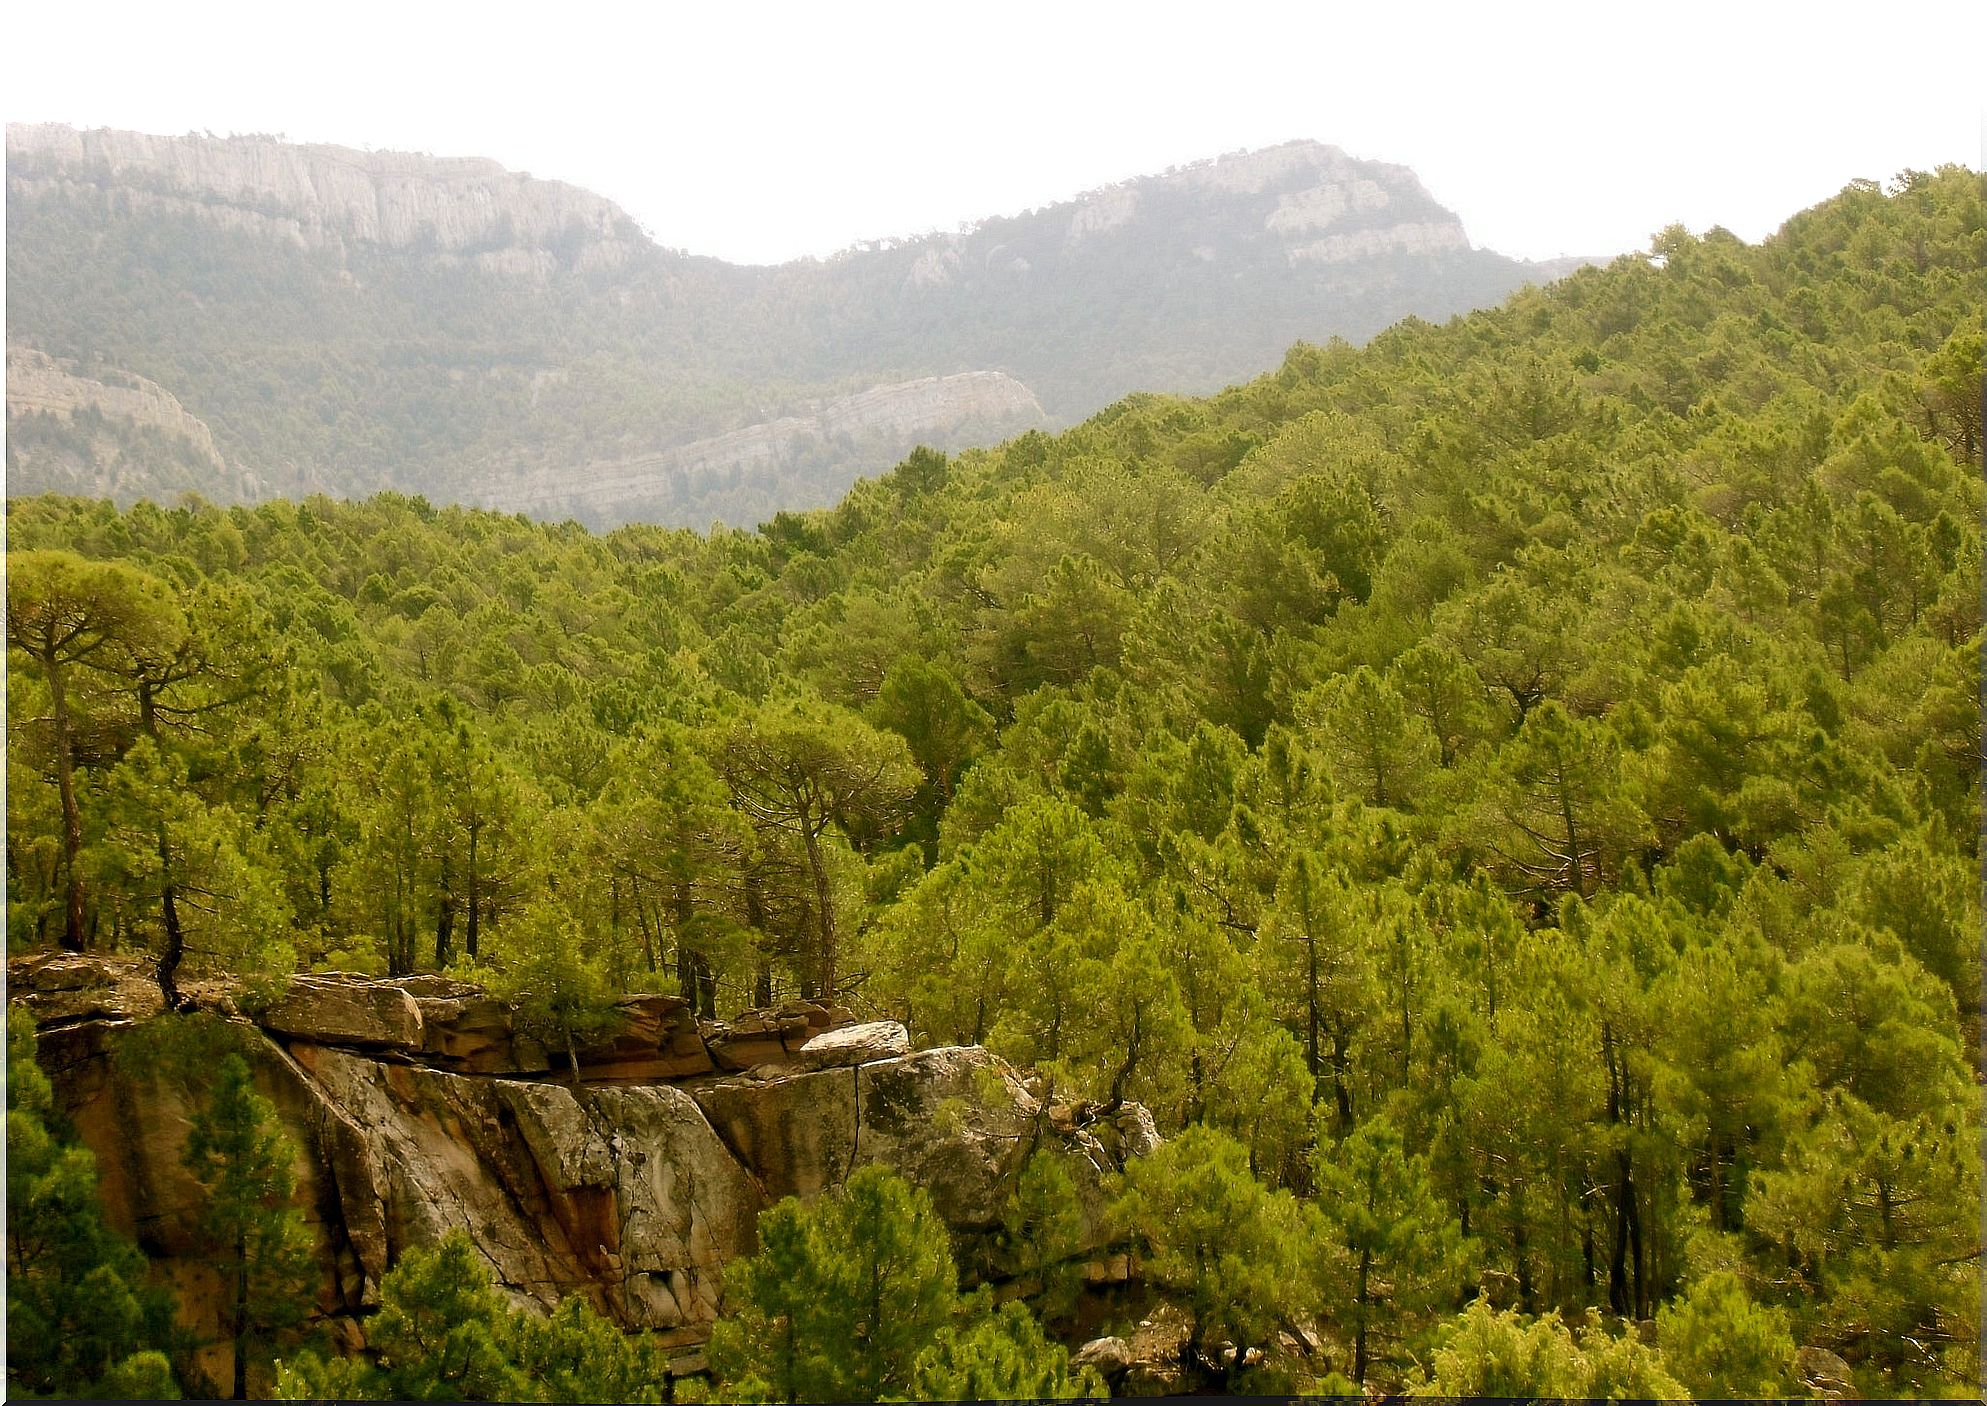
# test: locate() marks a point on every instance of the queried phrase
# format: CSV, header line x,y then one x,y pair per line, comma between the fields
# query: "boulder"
x,y
60,988
1112,1269
1156,1346
1110,1356
1824,1375
654,1038
761,1037
1154,1379
949,1119
434,986
736,1046
855,1044
471,1033
1138,1133
338,1009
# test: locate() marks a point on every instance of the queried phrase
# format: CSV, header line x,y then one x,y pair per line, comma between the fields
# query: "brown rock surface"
x,y
1824,1375
655,1038
471,1033
416,1109
60,987
341,1009
950,1120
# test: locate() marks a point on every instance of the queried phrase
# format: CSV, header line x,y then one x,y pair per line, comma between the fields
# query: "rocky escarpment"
x,y
825,447
1314,201
458,208
418,1106
99,431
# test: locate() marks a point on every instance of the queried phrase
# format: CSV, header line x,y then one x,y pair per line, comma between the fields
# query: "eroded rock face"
x,y
327,195
884,422
855,1044
949,1119
417,1109
346,1010
58,988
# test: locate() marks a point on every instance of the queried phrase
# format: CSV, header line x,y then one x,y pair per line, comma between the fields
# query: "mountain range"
x,y
248,318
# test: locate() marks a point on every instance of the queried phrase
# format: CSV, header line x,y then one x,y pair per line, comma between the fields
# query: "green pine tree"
x,y
252,1235
81,1320
842,1297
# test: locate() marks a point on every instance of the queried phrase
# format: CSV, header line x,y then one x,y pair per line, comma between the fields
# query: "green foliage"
x,y
1398,1252
854,1298
576,1355
1720,1343
555,982
842,1296
81,1319
1043,1234
256,1241
998,1354
440,1335
1488,1353
1238,1254
1521,775
444,1333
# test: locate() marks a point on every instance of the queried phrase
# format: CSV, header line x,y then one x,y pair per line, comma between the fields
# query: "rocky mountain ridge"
x,y
419,1105
325,195
346,321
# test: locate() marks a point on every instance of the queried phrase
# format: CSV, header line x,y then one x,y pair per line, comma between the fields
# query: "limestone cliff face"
x,y
326,195
1311,202
834,438
39,384
90,432
416,1108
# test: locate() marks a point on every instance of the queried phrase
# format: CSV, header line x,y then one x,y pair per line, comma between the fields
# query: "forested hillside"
x,y
1505,797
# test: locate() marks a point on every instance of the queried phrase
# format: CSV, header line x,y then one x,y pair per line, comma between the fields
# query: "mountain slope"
x,y
348,321
1529,765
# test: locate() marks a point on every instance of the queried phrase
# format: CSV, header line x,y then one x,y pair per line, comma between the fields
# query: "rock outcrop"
x,y
873,427
100,430
417,1106
319,195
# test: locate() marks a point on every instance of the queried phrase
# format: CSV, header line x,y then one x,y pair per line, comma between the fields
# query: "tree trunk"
x,y
755,917
694,976
1341,1082
444,921
824,916
1129,1066
473,931
241,1319
175,936
1359,1333
1527,1299
1311,989
72,815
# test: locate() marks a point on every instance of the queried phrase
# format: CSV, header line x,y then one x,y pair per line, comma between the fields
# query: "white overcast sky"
x,y
759,132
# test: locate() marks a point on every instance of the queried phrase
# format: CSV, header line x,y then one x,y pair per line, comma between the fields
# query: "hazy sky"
x,y
762,132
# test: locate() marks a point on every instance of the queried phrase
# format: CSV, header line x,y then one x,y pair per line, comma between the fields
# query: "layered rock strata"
x,y
418,1106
